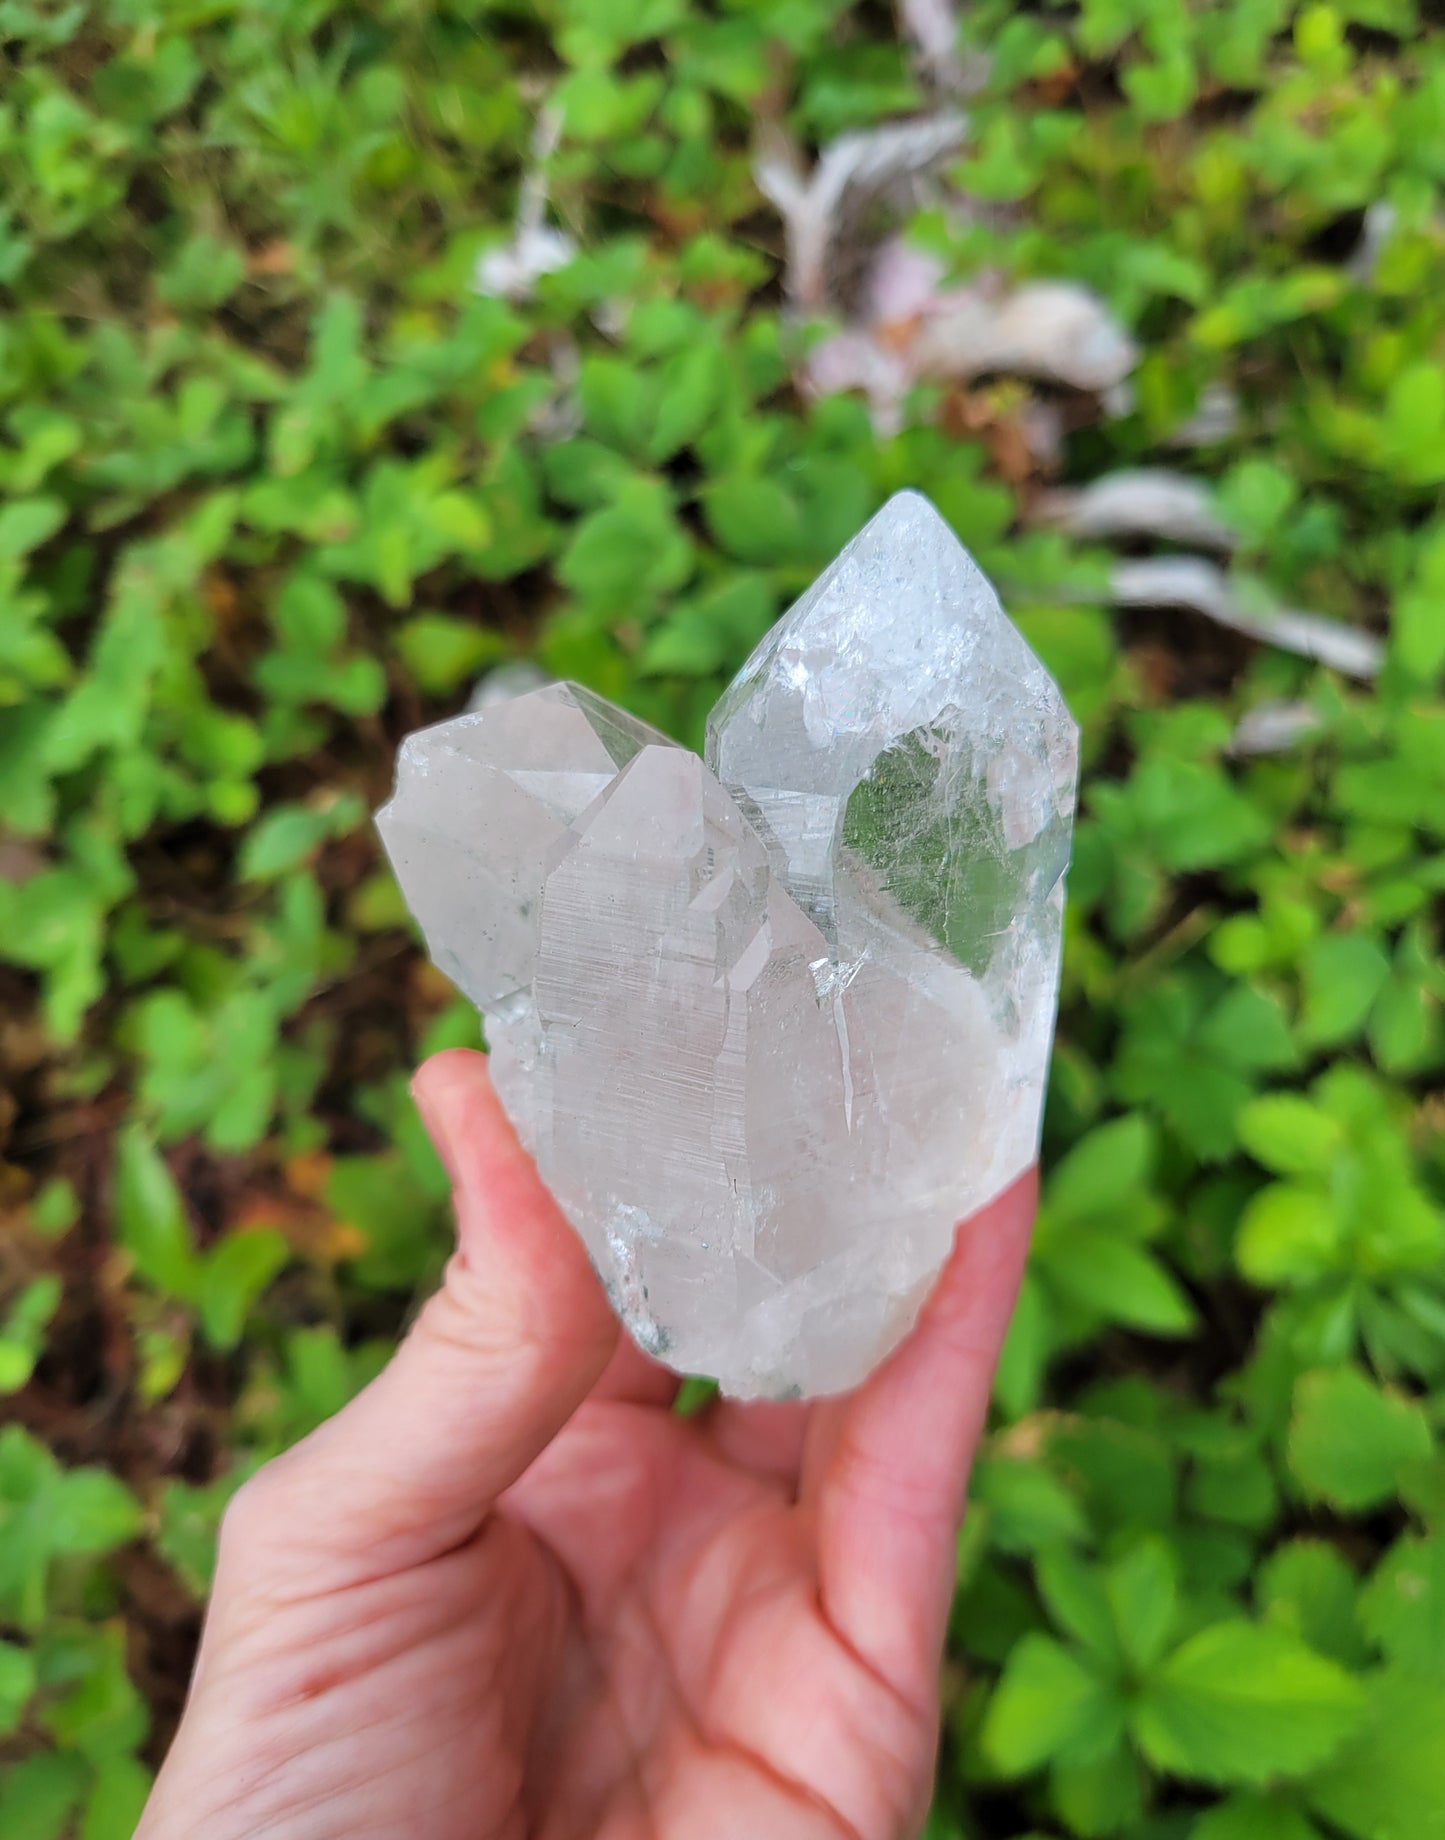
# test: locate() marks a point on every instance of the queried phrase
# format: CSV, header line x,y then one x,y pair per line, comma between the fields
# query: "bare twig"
x,y
511,271
853,171
1214,420
931,27
1140,502
1273,728
1190,581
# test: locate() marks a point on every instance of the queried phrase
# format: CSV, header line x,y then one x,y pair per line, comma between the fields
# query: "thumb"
x,y
497,1362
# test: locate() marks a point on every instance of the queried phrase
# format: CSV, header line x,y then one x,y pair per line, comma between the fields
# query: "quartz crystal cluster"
x,y
773,1022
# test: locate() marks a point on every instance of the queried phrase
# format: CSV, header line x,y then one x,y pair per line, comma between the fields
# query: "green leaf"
x,y
1119,1281
1389,1782
1142,1589
1349,1440
17,1683
202,273
1047,1705
756,520
1103,1168
442,653
1288,1134
379,1197
1289,1235
22,1336
92,1512
1243,1704
288,834
618,402
623,559
236,1273
38,1795
26,523
693,386
117,1801
1402,1608
151,1219
1308,1588
1417,632
1029,1508
1099,1795
1254,1817
1075,1597
1342,974
103,1715
190,1519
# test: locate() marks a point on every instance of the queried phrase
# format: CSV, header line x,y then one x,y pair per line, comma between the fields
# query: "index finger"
x,y
888,1465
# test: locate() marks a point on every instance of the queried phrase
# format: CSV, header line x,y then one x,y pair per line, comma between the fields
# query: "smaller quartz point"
x,y
773,1023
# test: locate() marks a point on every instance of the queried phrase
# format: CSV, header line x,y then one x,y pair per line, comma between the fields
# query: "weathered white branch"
x,y
931,27
851,171
1190,581
1273,728
1140,502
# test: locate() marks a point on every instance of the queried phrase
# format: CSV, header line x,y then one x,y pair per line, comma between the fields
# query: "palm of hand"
x,y
632,1645
471,1607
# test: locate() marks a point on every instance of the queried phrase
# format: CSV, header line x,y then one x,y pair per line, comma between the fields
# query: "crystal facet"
x,y
771,1025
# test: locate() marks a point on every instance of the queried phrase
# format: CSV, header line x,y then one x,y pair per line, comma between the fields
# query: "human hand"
x,y
507,1592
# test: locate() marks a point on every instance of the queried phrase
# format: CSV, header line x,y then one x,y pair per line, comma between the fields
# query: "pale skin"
x,y
508,1594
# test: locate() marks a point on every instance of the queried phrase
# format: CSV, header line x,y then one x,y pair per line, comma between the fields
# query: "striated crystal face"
x,y
771,1025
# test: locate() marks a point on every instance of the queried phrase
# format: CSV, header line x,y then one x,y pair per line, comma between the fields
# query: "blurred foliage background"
x,y
303,428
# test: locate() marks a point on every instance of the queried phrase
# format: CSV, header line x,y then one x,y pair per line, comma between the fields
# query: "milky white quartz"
x,y
773,1023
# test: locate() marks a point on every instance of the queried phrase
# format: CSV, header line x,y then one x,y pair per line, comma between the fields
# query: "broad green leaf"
x,y
1417,631
1125,1477
619,402
1288,1134
1254,1817
1289,1235
756,520
38,1795
693,386
122,1788
235,1275
22,1335
1074,1595
1244,1704
441,652
1120,1281
1308,1588
381,1199
1103,1168
151,1219
1402,1608
1349,1440
1389,1782
26,523
288,834
1342,975
621,560
1047,1705
1029,1508
190,1517
91,1512
102,1715
1101,1794
17,1683
1142,1588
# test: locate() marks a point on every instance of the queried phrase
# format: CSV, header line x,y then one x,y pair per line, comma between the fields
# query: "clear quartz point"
x,y
773,1023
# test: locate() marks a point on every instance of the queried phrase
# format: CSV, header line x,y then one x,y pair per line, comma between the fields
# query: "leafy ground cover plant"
x,y
278,483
